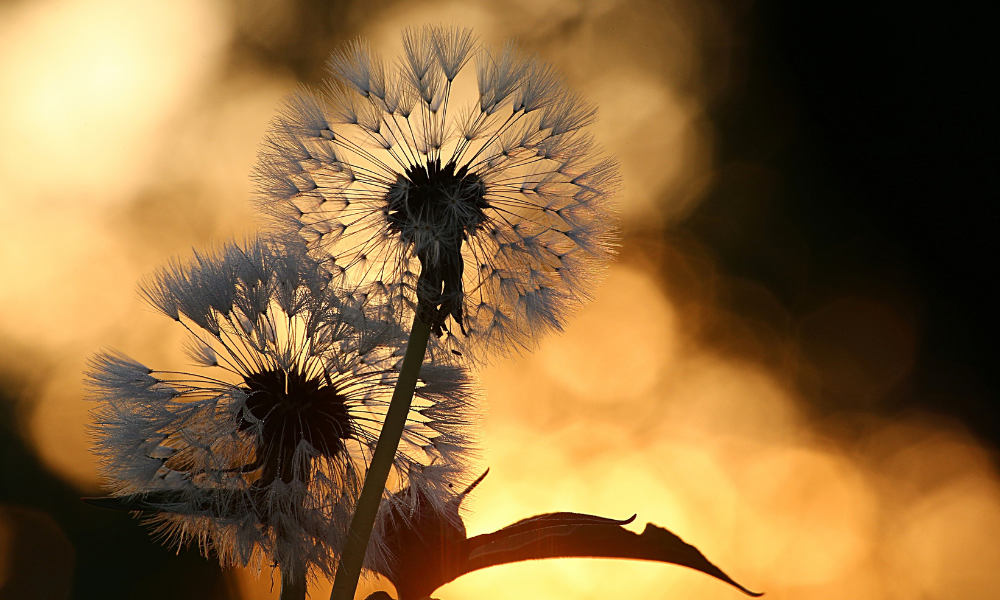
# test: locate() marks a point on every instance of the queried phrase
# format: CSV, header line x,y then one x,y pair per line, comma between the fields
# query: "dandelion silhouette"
x,y
260,456
486,225
492,220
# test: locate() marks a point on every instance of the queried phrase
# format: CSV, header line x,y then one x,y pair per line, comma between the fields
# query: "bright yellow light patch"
x,y
85,86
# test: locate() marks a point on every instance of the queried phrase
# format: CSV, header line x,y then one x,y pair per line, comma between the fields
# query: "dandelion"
x,y
492,219
260,455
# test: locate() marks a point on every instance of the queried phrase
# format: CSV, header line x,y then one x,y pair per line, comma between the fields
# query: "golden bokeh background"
x,y
128,132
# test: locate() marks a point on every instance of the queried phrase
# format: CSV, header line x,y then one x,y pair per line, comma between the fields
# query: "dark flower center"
x,y
448,198
292,408
437,208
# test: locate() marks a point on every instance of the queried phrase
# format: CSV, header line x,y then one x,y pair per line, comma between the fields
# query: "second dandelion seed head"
x,y
259,453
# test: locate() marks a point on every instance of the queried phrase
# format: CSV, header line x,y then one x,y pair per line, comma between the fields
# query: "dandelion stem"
x,y
353,556
293,584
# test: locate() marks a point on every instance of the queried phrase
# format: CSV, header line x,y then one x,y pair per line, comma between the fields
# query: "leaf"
x,y
432,550
429,548
551,520
589,541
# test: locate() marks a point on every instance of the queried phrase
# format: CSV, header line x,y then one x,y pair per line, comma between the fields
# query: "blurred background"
x,y
792,365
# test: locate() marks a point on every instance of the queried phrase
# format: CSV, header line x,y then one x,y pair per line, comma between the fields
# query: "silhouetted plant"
x,y
486,226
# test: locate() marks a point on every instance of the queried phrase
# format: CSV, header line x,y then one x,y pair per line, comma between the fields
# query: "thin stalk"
x,y
353,556
293,587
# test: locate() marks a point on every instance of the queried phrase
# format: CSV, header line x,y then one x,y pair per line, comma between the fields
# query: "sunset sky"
x,y
792,365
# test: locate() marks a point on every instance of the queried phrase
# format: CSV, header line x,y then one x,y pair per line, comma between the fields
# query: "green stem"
x,y
293,587
353,556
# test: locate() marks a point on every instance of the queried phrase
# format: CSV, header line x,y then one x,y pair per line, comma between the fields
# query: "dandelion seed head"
x,y
259,455
491,220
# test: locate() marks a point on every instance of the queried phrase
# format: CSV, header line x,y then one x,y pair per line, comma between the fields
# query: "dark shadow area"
x,y
62,548
854,159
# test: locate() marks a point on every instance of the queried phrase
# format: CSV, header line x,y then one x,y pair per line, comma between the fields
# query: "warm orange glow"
x,y
125,143
101,107
618,347
87,91
84,75
720,452
263,587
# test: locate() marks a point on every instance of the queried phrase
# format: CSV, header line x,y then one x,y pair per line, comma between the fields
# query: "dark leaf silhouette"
x,y
593,541
432,550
